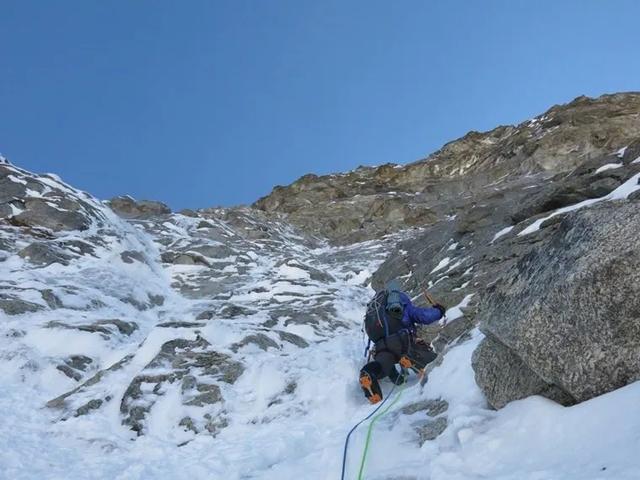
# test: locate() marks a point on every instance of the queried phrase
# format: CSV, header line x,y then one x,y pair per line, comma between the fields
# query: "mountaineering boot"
x,y
370,387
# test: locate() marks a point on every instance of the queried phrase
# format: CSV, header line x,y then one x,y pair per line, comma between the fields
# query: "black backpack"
x,y
384,315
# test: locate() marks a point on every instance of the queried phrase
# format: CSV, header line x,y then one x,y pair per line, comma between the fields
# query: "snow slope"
x,y
285,307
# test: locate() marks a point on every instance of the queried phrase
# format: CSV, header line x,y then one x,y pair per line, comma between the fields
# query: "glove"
x,y
442,309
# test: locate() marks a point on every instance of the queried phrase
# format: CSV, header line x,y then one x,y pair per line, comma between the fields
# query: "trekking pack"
x,y
384,313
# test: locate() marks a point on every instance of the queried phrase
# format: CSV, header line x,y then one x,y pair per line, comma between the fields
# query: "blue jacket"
x,y
412,314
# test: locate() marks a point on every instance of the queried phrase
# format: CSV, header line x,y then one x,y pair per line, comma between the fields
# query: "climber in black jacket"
x,y
390,323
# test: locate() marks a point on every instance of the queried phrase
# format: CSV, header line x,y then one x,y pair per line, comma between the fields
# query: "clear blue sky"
x,y
202,103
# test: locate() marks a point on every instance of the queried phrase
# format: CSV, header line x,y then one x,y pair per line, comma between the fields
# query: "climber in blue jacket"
x,y
390,323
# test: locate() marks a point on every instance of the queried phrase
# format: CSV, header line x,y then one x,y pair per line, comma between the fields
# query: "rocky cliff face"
x,y
481,206
122,316
480,170
477,206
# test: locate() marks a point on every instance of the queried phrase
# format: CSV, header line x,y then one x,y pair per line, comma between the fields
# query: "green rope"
x,y
370,430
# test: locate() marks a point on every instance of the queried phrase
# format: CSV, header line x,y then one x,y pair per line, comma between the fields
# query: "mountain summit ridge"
x,y
364,202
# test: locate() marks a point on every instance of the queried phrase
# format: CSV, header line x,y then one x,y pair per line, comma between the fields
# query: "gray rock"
x,y
5,210
232,311
566,312
604,186
152,301
292,338
205,315
632,152
131,256
504,377
53,301
213,251
189,382
187,423
431,429
40,213
127,207
185,258
105,327
187,361
69,372
475,218
214,425
12,305
80,247
44,254
433,407
125,328
63,401
88,407
7,245
181,324
155,300
454,330
207,395
259,339
10,189
79,362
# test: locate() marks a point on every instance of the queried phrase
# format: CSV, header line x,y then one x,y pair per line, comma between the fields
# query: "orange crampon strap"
x,y
405,362
365,382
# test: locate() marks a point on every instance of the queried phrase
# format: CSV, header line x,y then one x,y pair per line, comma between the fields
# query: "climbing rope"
x,y
370,431
346,442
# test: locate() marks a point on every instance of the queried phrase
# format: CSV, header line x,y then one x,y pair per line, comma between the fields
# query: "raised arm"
x,y
423,316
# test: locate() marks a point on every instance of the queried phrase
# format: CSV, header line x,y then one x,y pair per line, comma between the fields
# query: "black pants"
x,y
389,352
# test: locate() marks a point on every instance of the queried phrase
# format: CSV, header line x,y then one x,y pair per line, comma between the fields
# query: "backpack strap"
x,y
384,315
366,350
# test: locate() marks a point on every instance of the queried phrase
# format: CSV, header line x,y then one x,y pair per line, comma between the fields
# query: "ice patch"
x,y
456,312
501,233
15,210
15,179
292,272
609,166
443,263
455,265
54,342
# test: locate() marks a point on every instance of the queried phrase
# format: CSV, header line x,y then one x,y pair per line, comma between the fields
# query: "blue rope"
x,y
346,442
